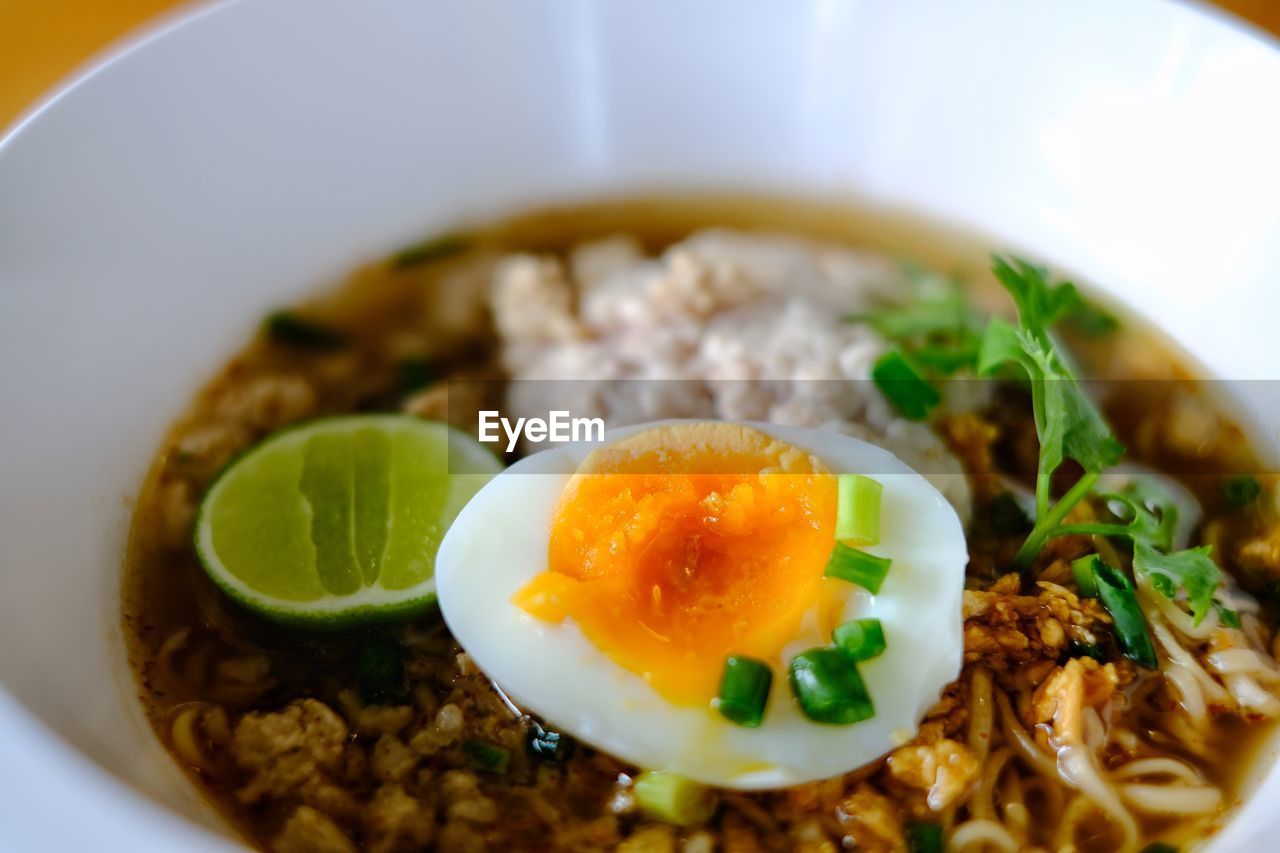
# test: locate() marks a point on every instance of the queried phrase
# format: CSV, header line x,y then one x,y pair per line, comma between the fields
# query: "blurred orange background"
x,y
42,41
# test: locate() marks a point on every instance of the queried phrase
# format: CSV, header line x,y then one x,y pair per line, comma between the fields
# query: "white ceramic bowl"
x,y
150,213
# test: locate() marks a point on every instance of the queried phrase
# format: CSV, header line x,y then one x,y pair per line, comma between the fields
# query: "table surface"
x,y
42,41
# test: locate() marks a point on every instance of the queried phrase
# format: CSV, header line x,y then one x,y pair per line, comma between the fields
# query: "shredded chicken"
x,y
1078,684
871,822
944,768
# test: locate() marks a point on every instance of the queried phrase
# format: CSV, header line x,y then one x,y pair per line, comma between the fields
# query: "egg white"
x,y
500,540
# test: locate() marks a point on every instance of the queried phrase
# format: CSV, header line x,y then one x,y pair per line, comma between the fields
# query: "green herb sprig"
x,y
1069,426
1067,422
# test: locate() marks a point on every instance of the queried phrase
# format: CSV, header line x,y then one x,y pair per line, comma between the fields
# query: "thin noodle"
x,y
1125,738
1237,599
195,671
1161,766
981,834
170,647
1077,811
1184,671
185,740
982,800
1190,696
1181,733
1252,696
1076,766
1245,661
1172,799
981,713
1018,738
1050,793
1095,734
1180,619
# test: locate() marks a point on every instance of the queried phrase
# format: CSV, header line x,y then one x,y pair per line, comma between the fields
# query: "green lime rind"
x,y
335,522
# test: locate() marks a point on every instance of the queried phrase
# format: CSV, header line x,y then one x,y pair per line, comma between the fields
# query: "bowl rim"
x,y
36,743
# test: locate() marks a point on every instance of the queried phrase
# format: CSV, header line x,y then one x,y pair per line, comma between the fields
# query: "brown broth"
x,y
167,592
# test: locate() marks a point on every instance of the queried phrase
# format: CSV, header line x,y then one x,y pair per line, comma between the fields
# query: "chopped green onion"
x,y
744,690
860,639
1229,617
486,756
549,745
433,249
924,838
850,564
903,386
1082,571
828,687
1240,491
858,509
672,798
380,672
1117,595
1007,516
285,327
415,374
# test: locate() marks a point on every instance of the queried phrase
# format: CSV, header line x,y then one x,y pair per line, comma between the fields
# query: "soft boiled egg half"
x,y
605,586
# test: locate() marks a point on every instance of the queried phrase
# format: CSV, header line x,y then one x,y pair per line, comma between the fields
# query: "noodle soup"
x,y
1062,727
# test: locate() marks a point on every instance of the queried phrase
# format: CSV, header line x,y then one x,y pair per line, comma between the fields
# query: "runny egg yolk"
x,y
685,543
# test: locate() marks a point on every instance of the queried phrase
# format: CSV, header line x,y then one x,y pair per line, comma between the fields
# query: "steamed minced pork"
x,y
722,325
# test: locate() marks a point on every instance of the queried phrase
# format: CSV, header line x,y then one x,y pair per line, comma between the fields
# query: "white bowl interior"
x,y
150,216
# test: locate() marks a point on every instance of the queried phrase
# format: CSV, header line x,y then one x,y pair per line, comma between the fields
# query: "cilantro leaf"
x,y
1149,512
1068,425
1040,304
1193,571
1229,617
1067,422
1091,321
937,328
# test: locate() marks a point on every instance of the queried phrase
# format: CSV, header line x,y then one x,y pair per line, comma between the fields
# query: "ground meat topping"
x,y
1005,630
310,831
397,821
289,750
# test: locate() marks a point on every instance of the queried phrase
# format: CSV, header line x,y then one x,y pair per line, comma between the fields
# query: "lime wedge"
x,y
337,521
